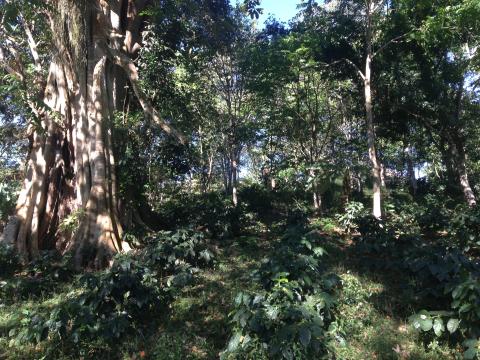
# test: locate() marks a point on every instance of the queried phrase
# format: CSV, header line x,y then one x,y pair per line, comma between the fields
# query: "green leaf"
x,y
452,325
470,353
319,251
238,299
305,336
426,324
470,343
438,327
234,342
465,308
415,320
287,353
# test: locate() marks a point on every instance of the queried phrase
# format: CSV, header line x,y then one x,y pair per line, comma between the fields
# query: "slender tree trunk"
x,y
317,201
411,170
317,198
271,173
347,187
447,159
382,174
372,151
273,182
458,153
227,178
234,182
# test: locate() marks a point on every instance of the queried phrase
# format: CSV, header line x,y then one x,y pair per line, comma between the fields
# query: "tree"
x,y
459,56
299,106
230,77
431,86
71,165
367,17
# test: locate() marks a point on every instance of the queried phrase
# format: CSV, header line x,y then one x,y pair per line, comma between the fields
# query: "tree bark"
x,y
234,182
411,170
456,145
317,197
273,182
71,165
457,149
372,151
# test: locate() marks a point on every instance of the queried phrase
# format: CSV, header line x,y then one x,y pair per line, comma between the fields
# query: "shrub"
x,y
325,224
452,282
443,275
464,229
110,304
289,317
8,196
433,215
212,212
9,261
297,215
174,250
258,199
349,219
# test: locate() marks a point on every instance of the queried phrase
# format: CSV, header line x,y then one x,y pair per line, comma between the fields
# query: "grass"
x,y
370,323
371,328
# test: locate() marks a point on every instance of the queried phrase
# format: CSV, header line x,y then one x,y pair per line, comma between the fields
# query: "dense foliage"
x,y
290,316
182,179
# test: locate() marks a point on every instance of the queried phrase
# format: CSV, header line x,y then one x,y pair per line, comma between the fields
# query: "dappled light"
x,y
239,180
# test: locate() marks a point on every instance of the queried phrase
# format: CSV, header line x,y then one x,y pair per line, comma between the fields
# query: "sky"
x,y
282,10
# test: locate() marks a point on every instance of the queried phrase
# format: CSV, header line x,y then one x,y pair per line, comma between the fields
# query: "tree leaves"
x,y
253,8
438,326
9,12
305,336
473,348
452,325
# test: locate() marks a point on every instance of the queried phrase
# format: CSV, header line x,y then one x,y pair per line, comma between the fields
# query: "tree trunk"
x,y
456,143
317,201
317,197
71,165
347,187
234,182
273,182
372,151
458,154
411,170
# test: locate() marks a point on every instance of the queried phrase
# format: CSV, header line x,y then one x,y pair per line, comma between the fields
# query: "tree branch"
x,y
391,41
348,61
8,68
33,46
127,64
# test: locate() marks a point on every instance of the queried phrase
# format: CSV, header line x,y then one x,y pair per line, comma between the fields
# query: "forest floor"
x,y
372,314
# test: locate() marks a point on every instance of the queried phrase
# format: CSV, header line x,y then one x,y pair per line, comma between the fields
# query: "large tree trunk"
x,y
71,165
